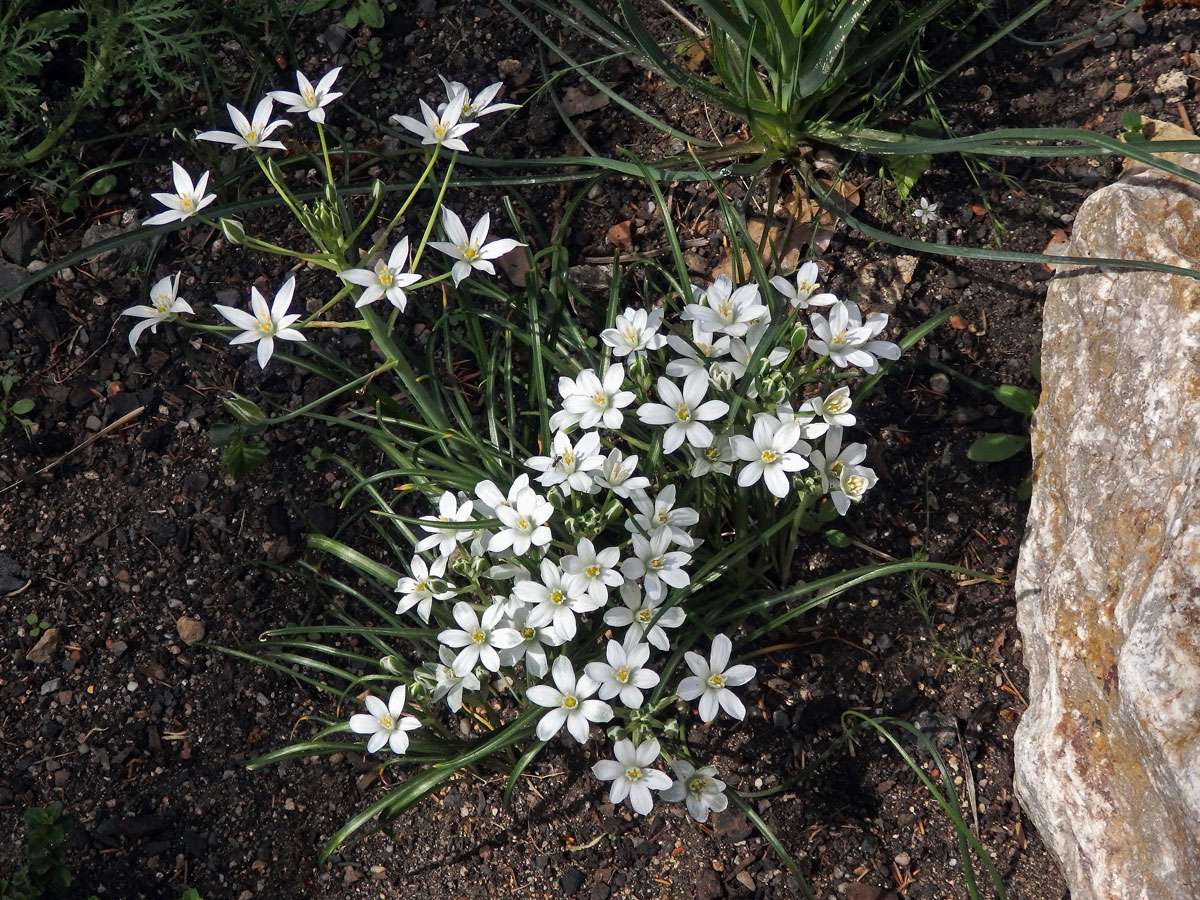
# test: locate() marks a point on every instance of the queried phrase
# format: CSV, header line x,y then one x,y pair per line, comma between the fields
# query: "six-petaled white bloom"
x,y
712,679
251,134
443,128
482,104
571,466
724,308
595,570
534,641
834,409
714,458
805,292
267,322
524,524
165,306
696,355
846,340
624,675
187,200
700,788
656,566
642,616
479,638
568,703
450,509
450,684
631,776
768,455
469,251
556,599
925,212
311,99
427,584
386,279
635,331
617,475
598,401
658,515
385,722
685,412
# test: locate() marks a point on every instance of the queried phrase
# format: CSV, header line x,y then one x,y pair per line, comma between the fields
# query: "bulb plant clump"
x,y
587,525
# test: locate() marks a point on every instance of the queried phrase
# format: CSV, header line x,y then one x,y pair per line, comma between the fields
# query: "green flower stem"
x,y
348,386
379,244
301,217
325,154
323,260
345,291
431,412
437,205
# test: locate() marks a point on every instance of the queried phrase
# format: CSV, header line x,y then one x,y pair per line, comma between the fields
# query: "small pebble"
x,y
132,686
1104,40
940,383
902,859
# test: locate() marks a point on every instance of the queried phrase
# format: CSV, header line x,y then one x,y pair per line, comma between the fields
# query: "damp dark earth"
x,y
124,538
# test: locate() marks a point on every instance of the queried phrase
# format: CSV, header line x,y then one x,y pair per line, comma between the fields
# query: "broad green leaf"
x,y
905,171
1016,398
22,406
997,447
103,185
241,458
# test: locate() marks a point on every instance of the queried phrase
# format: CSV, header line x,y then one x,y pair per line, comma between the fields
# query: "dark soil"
x,y
144,737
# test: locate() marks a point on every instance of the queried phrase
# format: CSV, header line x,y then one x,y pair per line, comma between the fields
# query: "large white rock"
x,y
1108,585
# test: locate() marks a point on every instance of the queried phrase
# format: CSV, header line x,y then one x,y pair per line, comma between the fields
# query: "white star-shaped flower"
x,y
479,638
470,252
846,340
267,322
769,454
712,679
187,200
624,675
386,279
442,129
385,722
311,99
251,134
631,776
165,306
685,412
806,291
568,703
598,401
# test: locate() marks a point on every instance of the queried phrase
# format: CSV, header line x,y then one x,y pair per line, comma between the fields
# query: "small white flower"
x,y
714,458
450,509
617,475
769,454
479,105
630,776
443,129
657,516
470,252
187,200
427,584
524,524
712,679
684,412
699,787
657,567
624,674
266,323
847,341
595,570
450,684
635,331
571,466
925,212
853,482
804,293
165,306
310,99
568,702
251,135
385,722
479,638
556,599
638,614
724,309
534,641
698,354
386,279
599,402
835,459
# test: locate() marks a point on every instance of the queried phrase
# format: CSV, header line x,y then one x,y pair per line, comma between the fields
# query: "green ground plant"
x,y
45,875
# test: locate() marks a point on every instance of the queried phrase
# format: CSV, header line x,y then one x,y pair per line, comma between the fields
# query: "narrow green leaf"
x,y
1016,398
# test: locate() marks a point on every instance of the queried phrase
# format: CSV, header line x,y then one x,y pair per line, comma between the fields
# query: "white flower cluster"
x,y
470,252
521,602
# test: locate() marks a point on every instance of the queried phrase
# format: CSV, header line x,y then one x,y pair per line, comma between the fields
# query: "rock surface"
x,y
1108,585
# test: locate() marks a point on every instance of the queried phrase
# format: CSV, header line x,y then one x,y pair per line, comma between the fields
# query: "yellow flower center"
x,y
841,339
717,680
725,308
265,325
469,252
478,636
656,563
599,398
387,722
630,334
386,277
622,674
682,413
837,467
252,134
186,202
569,702
855,485
557,598
522,525
591,571
644,616
837,405
769,456
162,303
528,633
310,96
633,773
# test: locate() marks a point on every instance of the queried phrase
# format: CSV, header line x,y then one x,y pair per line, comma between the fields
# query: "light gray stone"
x,y
1108,584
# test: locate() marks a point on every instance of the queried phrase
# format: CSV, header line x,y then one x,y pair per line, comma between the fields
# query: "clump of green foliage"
x,y
46,873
